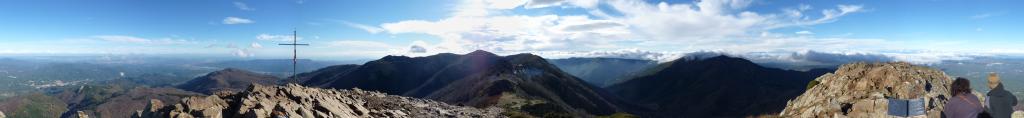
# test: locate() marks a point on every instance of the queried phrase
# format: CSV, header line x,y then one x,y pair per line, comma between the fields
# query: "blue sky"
x,y
343,30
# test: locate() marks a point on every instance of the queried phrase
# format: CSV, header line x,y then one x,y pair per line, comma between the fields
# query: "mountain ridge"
x,y
481,79
720,86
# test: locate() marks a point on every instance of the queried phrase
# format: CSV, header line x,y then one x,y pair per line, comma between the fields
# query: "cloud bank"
x,y
624,24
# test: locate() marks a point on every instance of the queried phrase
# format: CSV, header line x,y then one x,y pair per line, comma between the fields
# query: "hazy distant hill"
x,y
322,75
602,71
277,67
228,79
20,76
123,103
522,82
34,105
718,86
112,98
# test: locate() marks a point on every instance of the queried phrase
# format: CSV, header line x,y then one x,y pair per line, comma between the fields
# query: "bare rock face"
x,y
862,89
295,101
82,115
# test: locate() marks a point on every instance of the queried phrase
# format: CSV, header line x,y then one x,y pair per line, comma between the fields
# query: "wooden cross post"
x,y
295,50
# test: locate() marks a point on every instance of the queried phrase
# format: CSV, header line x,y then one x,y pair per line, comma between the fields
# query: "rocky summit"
x,y
295,101
864,89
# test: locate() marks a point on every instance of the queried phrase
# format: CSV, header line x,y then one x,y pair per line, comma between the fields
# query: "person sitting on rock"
x,y
1000,101
963,104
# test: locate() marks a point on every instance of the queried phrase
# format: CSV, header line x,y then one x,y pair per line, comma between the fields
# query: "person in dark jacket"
x,y
963,104
1000,101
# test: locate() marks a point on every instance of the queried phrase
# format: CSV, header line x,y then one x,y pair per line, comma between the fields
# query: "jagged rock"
x,y
295,101
2,114
862,89
82,115
149,112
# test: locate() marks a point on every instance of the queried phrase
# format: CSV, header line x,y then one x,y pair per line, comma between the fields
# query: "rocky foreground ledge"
x,y
295,101
863,89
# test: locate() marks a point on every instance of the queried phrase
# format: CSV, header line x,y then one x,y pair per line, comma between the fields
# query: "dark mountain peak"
x,y
728,82
525,57
724,58
481,53
229,79
230,70
716,61
444,55
393,58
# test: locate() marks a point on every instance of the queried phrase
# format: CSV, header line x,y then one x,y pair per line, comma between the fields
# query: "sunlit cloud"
x,y
138,40
488,25
277,38
243,6
236,20
367,28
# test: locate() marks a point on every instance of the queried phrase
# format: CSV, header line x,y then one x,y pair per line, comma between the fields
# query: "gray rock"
x,y
296,101
862,89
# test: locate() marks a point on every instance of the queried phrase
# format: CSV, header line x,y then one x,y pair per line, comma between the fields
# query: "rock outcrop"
x,y
296,101
862,89
81,114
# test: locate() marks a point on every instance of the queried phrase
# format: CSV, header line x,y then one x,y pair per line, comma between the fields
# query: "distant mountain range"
x,y
602,71
277,67
719,86
522,82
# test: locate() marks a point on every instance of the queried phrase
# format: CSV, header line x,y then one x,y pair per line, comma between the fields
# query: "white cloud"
x,y
133,39
488,25
543,3
243,6
804,32
359,48
504,4
244,53
721,25
515,33
236,20
255,45
632,53
363,45
278,38
984,16
367,28
119,38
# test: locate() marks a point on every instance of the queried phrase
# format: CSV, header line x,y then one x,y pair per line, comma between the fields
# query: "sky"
x,y
912,30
